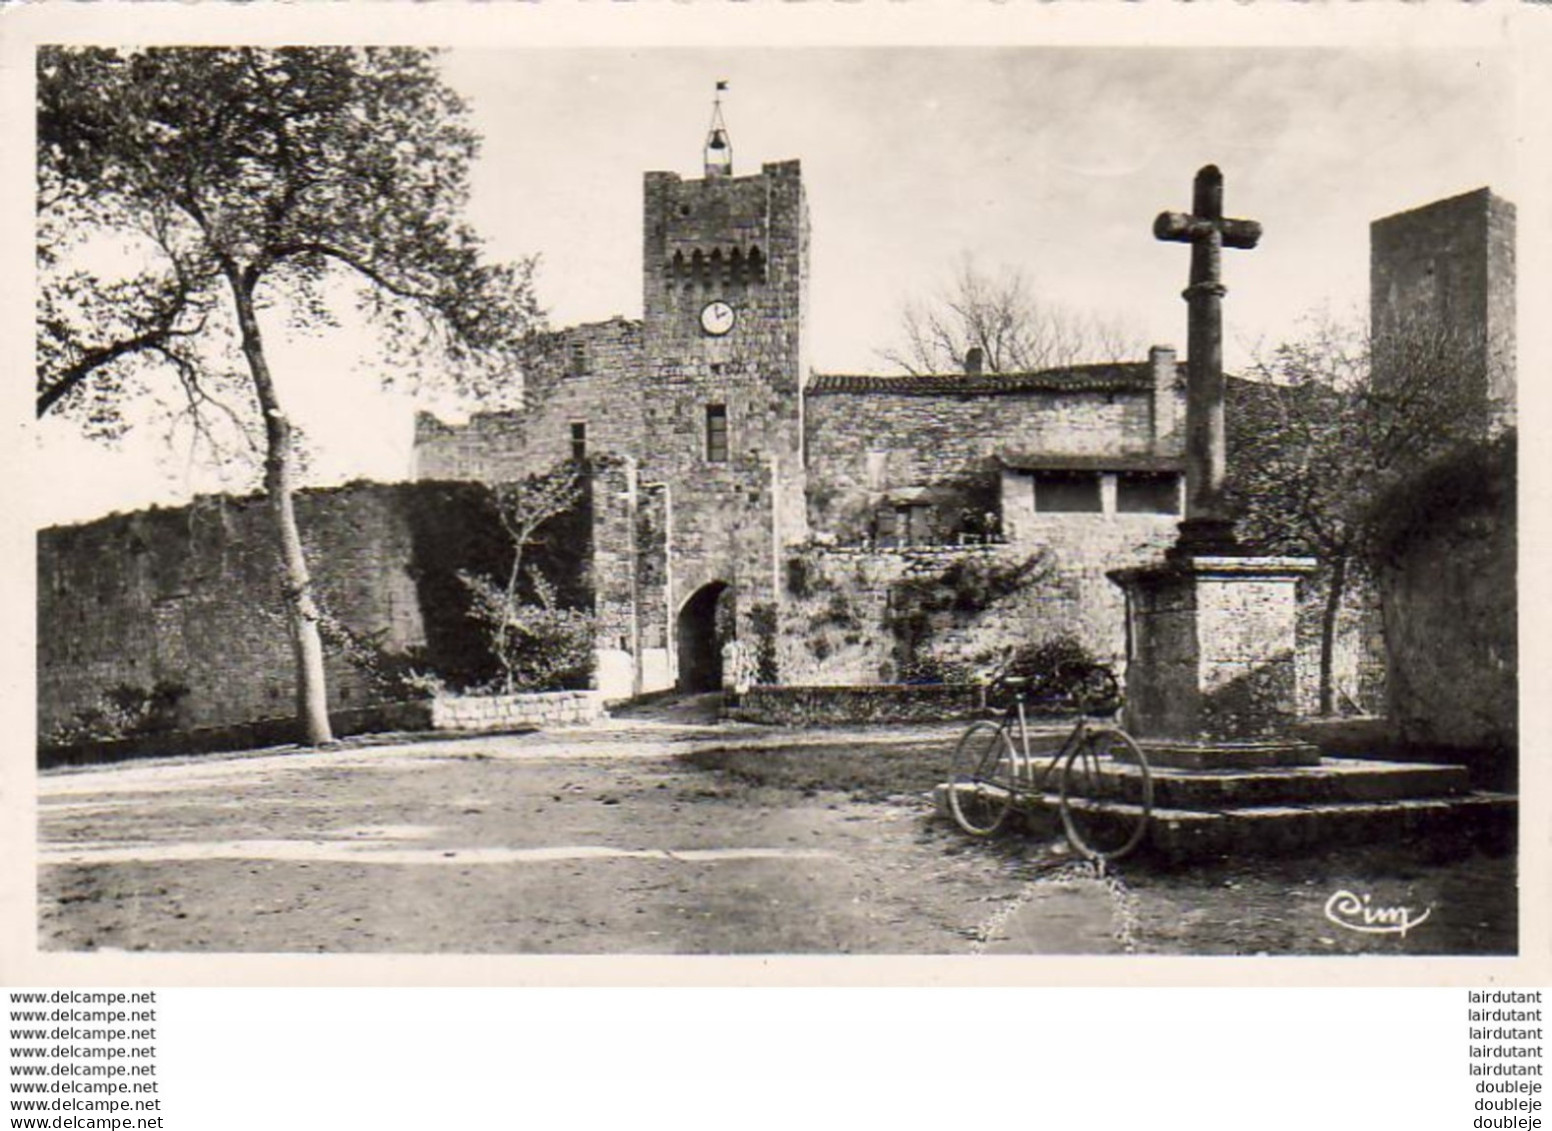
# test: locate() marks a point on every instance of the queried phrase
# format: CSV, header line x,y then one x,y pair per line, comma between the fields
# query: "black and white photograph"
x,y
1000,500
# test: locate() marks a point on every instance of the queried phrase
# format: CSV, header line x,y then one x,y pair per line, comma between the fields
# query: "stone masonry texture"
x,y
719,462
189,597
1448,267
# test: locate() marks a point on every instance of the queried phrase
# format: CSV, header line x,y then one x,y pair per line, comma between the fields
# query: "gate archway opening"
x,y
705,625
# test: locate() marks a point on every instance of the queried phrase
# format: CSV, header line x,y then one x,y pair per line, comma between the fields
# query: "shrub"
x,y
540,645
762,621
122,712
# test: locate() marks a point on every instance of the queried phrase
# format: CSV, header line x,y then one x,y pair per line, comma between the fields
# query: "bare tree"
x,y
536,641
1001,315
186,193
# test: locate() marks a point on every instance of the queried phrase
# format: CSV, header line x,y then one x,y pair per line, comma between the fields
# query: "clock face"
x,y
717,318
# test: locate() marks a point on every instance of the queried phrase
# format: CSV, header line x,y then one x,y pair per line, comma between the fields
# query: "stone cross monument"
x,y
1207,527
1211,673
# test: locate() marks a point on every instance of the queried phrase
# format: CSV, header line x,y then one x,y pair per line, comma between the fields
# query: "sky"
x,y
1051,162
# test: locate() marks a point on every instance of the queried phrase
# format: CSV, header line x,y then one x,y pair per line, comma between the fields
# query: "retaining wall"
x,y
493,712
883,703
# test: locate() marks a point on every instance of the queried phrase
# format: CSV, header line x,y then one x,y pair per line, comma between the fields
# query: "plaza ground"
x,y
666,836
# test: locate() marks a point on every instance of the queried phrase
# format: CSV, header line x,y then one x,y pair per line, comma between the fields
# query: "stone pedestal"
x,y
1211,676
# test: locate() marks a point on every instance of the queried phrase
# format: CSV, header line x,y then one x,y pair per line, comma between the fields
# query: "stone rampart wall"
x,y
188,598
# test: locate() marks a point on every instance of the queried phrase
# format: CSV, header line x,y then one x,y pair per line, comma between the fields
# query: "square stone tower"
x,y
725,279
1441,278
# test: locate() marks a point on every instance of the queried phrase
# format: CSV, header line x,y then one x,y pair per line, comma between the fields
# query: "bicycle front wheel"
x,y
1107,795
980,781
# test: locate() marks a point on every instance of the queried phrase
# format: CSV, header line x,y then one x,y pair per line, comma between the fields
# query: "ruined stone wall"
x,y
189,596
588,375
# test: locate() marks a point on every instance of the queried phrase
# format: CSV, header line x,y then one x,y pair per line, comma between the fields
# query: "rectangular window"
x,y
1141,492
915,526
579,442
578,359
1067,492
716,433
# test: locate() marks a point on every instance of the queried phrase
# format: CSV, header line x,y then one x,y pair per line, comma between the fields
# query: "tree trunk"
x,y
1328,619
312,700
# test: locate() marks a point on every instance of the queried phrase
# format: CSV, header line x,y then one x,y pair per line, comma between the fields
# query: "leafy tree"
x,y
1331,422
188,196
539,644
1000,315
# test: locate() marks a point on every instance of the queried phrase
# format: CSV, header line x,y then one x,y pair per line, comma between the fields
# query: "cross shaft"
x,y
1207,527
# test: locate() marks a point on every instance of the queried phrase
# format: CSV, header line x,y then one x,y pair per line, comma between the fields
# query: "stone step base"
x,y
1229,755
1183,834
1335,780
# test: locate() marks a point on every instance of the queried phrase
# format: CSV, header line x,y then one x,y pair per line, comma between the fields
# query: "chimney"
x,y
1161,401
973,358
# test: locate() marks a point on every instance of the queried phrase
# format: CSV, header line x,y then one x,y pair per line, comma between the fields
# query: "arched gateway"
x,y
700,634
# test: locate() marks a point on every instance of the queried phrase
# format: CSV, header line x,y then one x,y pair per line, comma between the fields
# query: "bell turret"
x,y
719,149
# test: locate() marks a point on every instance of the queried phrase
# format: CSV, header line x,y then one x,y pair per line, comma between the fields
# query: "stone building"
x,y
719,454
818,528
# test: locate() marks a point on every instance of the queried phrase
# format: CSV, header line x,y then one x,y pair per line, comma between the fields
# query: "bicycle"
x,y
1105,788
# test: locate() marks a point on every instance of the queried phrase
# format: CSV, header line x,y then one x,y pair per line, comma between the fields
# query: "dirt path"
x,y
602,842
576,843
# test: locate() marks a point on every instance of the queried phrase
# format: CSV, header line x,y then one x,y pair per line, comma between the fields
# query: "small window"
x,y
716,433
914,525
1147,493
1067,492
578,359
579,442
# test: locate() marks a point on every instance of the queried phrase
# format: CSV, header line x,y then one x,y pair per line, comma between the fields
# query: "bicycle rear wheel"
x,y
1107,795
980,780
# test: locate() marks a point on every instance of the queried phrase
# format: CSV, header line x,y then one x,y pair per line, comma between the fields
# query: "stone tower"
x,y
1443,275
725,277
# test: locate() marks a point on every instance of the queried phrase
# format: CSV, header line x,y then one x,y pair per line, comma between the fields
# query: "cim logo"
x,y
1359,913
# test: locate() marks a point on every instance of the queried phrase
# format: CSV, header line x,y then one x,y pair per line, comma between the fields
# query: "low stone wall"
x,y
498,712
385,717
879,703
474,712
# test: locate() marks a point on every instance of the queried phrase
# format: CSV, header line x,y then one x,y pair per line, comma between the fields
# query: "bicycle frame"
x,y
1023,776
1104,810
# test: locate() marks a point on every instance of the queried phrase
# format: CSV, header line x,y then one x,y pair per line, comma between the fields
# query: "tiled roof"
x,y
1141,461
1110,377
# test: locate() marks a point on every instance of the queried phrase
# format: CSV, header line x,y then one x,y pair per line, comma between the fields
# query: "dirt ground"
x,y
611,841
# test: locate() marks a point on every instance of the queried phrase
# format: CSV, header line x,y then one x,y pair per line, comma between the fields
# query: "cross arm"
x,y
1180,227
